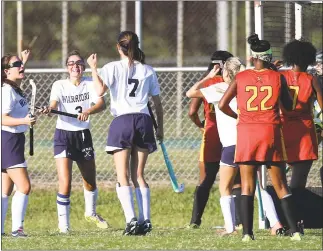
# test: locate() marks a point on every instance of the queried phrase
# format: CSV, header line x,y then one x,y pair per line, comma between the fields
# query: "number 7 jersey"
x,y
258,94
130,87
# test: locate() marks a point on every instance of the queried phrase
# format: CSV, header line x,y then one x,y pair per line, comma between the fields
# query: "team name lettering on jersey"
x,y
76,98
23,102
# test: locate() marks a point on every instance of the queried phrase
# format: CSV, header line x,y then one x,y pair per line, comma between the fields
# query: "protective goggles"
x,y
16,64
219,62
78,62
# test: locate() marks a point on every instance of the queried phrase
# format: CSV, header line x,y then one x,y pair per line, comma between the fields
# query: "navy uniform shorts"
x,y
75,145
227,156
12,150
128,130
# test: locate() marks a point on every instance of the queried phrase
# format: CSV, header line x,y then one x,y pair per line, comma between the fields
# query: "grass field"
x,y
170,215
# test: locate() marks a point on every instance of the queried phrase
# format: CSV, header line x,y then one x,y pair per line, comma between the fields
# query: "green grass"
x,y
170,214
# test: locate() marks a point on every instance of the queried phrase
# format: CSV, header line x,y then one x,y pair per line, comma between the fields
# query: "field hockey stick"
x,y
173,179
31,113
60,113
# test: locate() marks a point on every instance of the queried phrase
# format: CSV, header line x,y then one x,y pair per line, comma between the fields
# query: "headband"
x,y
264,56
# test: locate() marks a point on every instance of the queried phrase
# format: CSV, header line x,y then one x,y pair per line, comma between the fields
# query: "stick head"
x,y
181,188
33,96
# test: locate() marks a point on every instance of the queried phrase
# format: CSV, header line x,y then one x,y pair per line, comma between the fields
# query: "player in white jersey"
x,y
73,140
228,137
15,120
131,137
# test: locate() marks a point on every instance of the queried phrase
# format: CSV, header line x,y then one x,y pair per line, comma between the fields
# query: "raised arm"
x,y
230,93
194,91
99,85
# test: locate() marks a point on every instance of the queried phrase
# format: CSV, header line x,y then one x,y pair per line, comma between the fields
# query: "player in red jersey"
x,y
298,125
210,152
259,139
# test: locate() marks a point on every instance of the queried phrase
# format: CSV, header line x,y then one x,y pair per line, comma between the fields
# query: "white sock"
x,y
126,199
269,208
63,211
4,207
139,202
18,210
90,198
225,202
145,193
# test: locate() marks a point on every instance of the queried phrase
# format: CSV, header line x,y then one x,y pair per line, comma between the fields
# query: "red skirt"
x,y
259,142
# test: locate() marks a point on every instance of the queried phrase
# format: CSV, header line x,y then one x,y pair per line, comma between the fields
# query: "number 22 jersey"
x,y
73,99
259,136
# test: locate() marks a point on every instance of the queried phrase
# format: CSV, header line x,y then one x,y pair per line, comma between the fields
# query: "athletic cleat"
x,y
131,227
144,227
19,233
98,220
281,231
295,236
247,238
239,227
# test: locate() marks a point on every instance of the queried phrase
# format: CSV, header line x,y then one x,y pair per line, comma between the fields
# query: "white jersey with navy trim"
x,y
227,126
129,87
73,99
15,106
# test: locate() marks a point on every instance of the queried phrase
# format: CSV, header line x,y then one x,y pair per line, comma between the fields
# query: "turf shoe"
x,y
19,233
131,227
144,227
64,231
281,231
98,220
247,238
193,226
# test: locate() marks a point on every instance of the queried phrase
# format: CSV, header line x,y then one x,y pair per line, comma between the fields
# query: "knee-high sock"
x,y
247,208
4,208
288,207
126,199
18,209
90,198
237,202
201,196
63,211
140,206
269,208
227,207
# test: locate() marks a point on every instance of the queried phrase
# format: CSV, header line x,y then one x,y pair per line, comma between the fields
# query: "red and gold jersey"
x,y
209,112
301,90
258,95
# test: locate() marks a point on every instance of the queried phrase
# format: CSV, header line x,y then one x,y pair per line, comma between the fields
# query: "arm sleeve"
x,y
212,94
54,94
106,73
8,100
154,86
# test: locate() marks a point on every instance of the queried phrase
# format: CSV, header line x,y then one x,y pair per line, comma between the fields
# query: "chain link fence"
x,y
182,137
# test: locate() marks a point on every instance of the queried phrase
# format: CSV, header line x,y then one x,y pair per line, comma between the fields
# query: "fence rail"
x,y
182,144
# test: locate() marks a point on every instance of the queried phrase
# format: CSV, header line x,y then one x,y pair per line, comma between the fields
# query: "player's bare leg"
x,y
124,190
88,171
138,161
